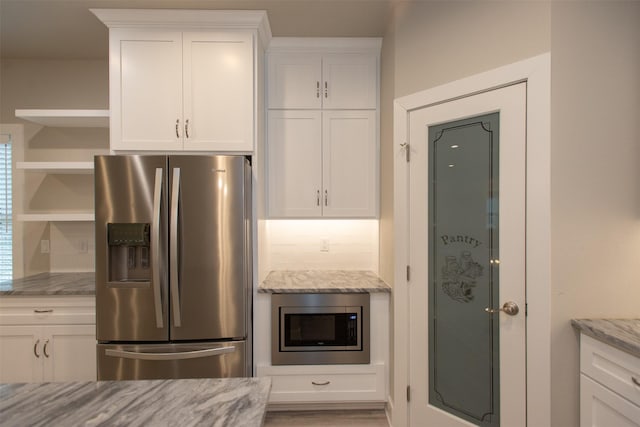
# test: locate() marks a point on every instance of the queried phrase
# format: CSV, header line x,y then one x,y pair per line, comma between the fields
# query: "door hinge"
x,y
408,273
407,151
408,393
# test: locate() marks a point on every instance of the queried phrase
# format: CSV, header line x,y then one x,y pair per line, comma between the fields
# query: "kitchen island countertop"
x,y
216,402
47,284
322,281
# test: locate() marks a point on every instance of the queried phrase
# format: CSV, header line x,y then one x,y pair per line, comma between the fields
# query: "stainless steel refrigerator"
x,y
173,266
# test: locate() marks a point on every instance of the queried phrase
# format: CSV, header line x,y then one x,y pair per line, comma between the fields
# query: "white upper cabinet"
x,y
322,164
184,79
322,139
329,76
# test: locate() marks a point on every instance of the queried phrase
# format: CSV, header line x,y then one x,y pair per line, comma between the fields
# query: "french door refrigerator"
x,y
173,266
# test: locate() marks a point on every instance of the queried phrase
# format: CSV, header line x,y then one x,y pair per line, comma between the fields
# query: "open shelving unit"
x,y
66,118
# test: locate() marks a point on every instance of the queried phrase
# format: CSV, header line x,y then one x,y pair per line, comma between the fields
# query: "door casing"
x,y
536,72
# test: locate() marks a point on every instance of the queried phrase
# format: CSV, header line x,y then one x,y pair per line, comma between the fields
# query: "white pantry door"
x,y
467,256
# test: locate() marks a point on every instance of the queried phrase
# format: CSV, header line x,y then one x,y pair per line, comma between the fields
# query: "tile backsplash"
x,y
321,245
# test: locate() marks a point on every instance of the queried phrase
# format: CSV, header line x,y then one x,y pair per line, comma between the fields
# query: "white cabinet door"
x,y
349,163
600,407
218,91
70,353
145,90
295,80
329,81
350,81
20,354
294,165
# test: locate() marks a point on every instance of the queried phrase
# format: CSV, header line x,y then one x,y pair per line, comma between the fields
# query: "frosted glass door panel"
x,y
463,247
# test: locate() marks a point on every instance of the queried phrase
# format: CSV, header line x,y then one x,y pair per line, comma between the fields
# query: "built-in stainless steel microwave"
x,y
318,329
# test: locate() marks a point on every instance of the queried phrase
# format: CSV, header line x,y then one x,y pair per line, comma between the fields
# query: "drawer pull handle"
x,y
35,349
44,349
43,311
324,383
635,381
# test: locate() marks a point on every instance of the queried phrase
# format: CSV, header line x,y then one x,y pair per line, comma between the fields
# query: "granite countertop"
x,y
623,334
322,281
227,402
45,284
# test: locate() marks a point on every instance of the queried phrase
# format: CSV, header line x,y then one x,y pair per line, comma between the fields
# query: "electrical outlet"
x,y
44,246
324,245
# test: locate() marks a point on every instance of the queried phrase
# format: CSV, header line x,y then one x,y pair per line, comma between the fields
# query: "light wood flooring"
x,y
350,418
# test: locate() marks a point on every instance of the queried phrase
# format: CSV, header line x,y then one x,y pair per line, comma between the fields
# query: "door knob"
x,y
509,307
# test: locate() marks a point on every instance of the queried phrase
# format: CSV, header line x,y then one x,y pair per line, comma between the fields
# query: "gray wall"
x,y
595,167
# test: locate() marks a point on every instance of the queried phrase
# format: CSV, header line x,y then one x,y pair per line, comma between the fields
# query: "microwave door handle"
x,y
155,247
197,354
174,251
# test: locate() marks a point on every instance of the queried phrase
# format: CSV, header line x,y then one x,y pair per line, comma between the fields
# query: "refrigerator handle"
x,y
155,247
170,356
174,252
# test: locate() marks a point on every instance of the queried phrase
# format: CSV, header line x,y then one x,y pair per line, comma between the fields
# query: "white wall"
x,y
55,84
595,178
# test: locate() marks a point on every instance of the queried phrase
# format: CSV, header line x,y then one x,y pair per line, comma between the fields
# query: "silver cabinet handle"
x,y
317,89
326,198
44,349
43,311
174,250
326,89
509,307
177,128
186,128
35,349
635,381
155,248
318,198
170,356
323,383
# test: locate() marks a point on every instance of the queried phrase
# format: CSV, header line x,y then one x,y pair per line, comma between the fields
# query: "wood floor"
x,y
352,418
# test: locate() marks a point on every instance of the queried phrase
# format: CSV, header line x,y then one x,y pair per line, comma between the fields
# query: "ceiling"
x,y
66,29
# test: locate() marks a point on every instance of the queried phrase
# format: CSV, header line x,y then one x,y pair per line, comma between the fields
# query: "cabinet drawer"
x,y
599,406
47,310
613,368
328,385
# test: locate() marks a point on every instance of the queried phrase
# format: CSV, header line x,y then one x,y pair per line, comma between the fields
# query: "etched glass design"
x,y
463,262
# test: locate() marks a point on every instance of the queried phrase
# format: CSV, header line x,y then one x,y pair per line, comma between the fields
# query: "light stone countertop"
x,y
220,402
45,284
323,281
623,334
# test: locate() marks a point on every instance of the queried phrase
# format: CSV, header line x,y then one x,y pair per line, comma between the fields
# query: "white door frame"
x,y
536,72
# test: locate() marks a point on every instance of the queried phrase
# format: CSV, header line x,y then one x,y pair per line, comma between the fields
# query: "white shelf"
x,y
57,167
66,118
59,217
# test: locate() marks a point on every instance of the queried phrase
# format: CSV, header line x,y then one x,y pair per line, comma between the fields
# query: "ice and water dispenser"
x,y
129,252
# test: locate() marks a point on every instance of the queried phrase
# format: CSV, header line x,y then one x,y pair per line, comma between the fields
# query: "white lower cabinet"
x,y
47,339
325,383
609,386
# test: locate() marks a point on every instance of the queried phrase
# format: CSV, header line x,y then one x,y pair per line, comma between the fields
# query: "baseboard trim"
x,y
303,406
